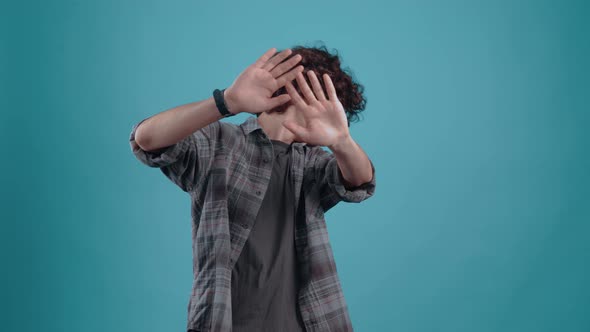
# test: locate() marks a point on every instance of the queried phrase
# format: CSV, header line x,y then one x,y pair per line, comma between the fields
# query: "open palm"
x,y
252,90
325,119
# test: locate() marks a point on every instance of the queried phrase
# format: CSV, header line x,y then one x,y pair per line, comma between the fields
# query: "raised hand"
x,y
325,119
252,90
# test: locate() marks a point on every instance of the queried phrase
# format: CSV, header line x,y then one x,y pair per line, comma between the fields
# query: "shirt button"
x,y
244,225
258,192
265,160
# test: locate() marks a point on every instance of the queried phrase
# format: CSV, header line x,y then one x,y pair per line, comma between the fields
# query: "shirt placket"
x,y
263,161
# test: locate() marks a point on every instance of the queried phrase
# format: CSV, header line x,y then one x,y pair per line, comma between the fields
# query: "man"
x,y
259,191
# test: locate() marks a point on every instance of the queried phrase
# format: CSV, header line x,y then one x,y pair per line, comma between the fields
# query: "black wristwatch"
x,y
220,102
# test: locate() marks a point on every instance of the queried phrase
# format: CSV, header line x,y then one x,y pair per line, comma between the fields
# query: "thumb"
x,y
299,131
279,100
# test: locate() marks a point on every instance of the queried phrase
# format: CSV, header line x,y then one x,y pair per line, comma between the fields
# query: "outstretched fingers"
x,y
276,59
279,100
286,65
304,87
295,97
330,88
264,58
288,77
317,87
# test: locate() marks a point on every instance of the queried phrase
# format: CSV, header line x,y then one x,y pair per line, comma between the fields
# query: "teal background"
x,y
477,122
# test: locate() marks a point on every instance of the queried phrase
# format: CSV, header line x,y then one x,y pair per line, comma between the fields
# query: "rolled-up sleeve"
x,y
330,182
183,162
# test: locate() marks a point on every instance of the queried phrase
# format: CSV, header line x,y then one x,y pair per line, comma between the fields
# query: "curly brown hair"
x,y
318,59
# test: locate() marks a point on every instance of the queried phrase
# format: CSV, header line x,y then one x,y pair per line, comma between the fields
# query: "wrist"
x,y
230,103
343,144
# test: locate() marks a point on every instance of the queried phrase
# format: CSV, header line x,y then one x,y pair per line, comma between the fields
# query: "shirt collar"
x,y
251,124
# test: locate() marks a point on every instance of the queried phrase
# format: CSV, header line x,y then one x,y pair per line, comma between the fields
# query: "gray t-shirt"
x,y
265,279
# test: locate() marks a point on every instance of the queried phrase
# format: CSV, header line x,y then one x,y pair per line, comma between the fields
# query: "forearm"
x,y
353,162
173,125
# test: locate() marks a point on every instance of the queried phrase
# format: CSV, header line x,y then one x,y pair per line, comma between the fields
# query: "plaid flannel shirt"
x,y
226,169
